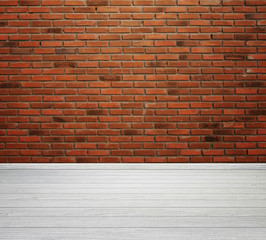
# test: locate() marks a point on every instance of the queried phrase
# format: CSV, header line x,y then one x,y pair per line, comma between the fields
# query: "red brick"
x,y
75,2
187,2
165,2
255,2
28,2
52,3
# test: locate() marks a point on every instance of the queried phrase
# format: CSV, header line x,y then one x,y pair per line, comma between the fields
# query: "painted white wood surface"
x,y
135,233
133,201
135,166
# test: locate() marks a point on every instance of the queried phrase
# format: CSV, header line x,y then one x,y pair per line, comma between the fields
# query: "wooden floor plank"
x,y
133,196
134,212
134,233
133,222
133,201
141,185
130,203
124,181
61,189
133,173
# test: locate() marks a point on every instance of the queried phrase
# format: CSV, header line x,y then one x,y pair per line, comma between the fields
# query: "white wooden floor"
x,y
126,202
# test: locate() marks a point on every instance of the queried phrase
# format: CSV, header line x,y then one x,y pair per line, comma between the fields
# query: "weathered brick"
x,y
97,2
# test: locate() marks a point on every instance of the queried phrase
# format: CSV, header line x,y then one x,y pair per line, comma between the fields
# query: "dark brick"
x,y
9,85
52,30
131,132
96,112
254,16
256,112
234,57
87,159
162,125
38,132
211,139
64,65
3,23
245,119
178,91
110,78
210,125
223,131
255,84
257,30
5,125
76,139
59,119
180,43
8,44
243,36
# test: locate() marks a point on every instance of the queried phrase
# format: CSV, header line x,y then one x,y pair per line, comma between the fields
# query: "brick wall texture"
x,y
132,81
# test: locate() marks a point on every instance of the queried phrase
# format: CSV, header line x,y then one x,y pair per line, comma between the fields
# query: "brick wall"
x,y
132,81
